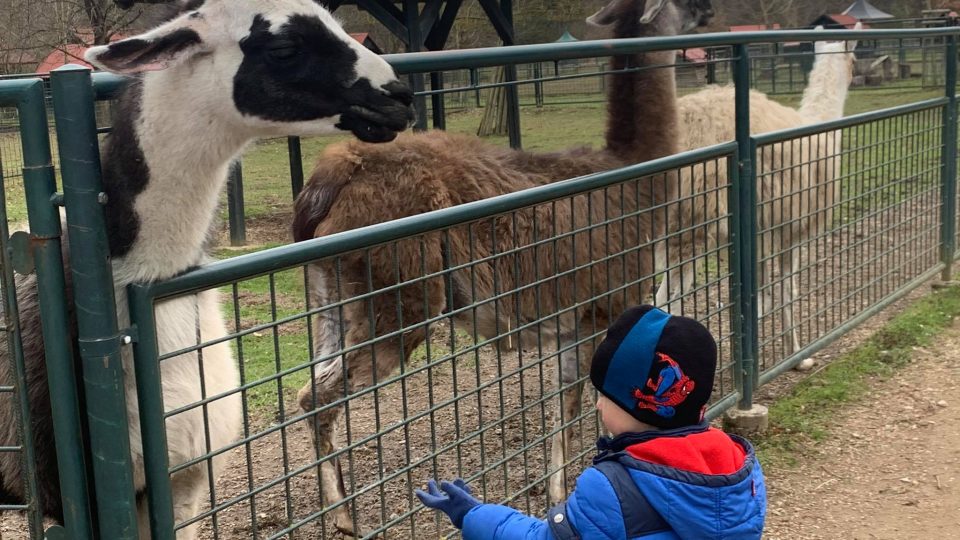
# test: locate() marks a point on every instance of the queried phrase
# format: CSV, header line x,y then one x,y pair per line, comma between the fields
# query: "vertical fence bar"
x,y
295,152
235,210
744,274
40,186
513,107
155,461
510,76
438,100
948,242
98,335
474,83
20,404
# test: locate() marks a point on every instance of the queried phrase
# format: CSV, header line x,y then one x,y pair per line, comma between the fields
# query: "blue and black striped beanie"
x,y
657,367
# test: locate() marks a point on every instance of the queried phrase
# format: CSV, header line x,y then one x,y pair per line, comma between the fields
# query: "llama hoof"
x,y
345,526
806,365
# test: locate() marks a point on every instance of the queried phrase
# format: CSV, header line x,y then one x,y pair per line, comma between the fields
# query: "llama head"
x,y
838,53
269,67
655,17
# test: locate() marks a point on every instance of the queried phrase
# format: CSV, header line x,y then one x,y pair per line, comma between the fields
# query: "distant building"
x,y
864,11
837,21
754,27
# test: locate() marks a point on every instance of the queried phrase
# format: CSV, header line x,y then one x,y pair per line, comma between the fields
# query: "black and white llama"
x,y
209,82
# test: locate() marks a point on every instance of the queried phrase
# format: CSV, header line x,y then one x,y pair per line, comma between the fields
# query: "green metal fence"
x,y
463,315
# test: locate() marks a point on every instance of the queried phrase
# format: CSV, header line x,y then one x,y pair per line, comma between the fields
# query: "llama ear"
x,y
654,7
170,44
852,45
608,14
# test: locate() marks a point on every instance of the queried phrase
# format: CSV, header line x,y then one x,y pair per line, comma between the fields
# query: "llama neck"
x,y
164,167
642,105
826,92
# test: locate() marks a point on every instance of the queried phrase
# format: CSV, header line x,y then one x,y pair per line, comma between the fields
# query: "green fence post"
x,y
156,465
98,335
295,152
11,330
438,100
744,188
949,164
40,186
235,210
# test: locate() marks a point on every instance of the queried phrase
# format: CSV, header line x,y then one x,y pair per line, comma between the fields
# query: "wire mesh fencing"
x,y
848,217
447,352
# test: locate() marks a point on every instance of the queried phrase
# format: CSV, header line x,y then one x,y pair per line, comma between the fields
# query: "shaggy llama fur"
x,y
356,184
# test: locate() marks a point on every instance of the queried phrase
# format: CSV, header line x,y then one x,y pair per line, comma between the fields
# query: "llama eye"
x,y
282,51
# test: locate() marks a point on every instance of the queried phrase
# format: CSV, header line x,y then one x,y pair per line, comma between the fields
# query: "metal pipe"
x,y
236,214
45,238
948,219
744,275
156,464
99,337
295,152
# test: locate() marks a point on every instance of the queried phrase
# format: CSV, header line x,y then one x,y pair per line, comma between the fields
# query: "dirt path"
x,y
890,468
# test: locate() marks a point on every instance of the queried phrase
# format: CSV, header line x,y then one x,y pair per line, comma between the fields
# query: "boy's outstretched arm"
x,y
592,511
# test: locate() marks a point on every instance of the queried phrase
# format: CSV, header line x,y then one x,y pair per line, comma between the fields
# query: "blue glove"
x,y
455,504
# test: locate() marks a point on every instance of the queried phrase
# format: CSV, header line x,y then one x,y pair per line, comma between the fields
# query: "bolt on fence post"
x,y
948,219
744,188
98,334
40,185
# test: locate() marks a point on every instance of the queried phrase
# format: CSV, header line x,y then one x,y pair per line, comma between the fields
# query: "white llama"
x,y
211,81
809,194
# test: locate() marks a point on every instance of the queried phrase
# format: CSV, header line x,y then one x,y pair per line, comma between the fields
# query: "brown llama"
x,y
355,185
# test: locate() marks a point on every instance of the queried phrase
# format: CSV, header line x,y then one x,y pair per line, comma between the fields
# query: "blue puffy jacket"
x,y
688,483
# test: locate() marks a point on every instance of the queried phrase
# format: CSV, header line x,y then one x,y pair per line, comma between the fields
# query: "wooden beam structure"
x,y
425,25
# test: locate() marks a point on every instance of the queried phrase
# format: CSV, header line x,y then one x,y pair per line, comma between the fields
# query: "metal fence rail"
x,y
456,324
471,401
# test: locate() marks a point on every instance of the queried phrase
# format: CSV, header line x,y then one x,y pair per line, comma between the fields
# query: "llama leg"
x,y
187,488
790,262
323,433
572,369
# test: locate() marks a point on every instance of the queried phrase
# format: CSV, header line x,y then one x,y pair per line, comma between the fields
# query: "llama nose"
x,y
399,91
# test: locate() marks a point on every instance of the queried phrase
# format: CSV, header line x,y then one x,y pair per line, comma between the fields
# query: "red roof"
x,y
848,21
695,55
68,54
754,27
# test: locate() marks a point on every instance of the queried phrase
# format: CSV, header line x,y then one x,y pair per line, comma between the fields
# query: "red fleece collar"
x,y
707,452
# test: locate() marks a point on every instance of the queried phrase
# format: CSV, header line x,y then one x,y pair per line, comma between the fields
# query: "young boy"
x,y
664,473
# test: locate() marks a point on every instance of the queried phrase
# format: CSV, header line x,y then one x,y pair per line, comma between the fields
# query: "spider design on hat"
x,y
671,389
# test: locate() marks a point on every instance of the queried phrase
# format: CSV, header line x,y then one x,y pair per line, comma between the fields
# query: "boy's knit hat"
x,y
657,367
